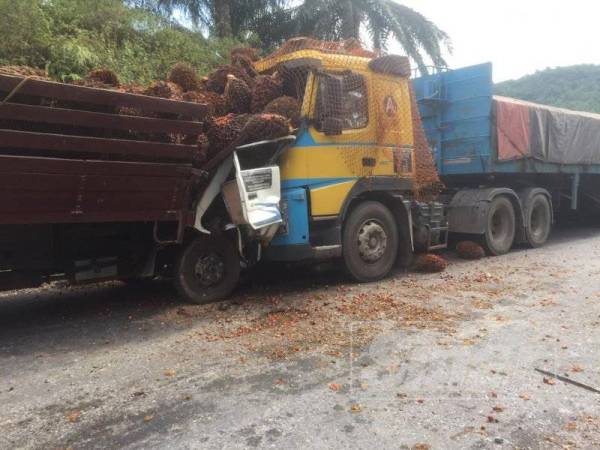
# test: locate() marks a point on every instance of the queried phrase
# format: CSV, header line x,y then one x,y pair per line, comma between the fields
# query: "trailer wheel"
x,y
539,221
208,270
500,227
370,242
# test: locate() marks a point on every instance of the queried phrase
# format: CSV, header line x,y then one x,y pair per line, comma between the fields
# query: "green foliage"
x,y
71,37
205,14
268,23
573,87
25,33
383,19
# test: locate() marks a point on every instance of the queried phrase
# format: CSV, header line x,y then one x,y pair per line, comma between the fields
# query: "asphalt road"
x,y
300,358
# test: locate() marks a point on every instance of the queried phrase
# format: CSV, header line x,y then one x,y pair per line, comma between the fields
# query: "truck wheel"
x,y
500,227
370,242
539,221
208,270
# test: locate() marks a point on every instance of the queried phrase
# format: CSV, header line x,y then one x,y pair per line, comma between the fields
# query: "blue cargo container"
x,y
456,108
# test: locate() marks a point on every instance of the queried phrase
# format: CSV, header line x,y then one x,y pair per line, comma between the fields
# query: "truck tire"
x,y
538,221
370,242
208,270
500,227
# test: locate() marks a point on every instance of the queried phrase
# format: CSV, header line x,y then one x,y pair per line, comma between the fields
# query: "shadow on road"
x,y
56,318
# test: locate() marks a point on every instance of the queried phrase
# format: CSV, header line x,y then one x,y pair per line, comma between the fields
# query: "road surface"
x,y
300,358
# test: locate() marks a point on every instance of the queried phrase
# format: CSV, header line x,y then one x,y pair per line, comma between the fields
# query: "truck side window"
x,y
351,108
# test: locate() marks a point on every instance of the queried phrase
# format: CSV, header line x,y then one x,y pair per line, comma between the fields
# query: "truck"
x,y
511,168
342,186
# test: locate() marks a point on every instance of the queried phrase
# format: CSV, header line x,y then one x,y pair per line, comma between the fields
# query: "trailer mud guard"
x,y
468,209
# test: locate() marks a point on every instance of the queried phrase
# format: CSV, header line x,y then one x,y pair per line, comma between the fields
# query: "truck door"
x,y
394,132
342,139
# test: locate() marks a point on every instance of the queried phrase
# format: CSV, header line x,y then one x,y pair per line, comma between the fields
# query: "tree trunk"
x,y
377,41
350,20
222,13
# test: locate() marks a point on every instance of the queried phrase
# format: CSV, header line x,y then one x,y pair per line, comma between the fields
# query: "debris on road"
x,y
469,250
73,416
566,380
430,263
355,408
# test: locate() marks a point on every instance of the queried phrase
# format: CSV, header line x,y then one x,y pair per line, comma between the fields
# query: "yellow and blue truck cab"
x,y
351,165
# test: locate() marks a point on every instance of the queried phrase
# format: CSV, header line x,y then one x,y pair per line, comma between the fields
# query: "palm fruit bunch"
x,y
24,71
237,95
266,88
224,131
430,263
216,102
164,89
392,65
184,76
201,153
132,89
294,82
103,76
287,107
350,46
202,82
217,79
354,47
245,52
261,127
469,250
427,180
245,65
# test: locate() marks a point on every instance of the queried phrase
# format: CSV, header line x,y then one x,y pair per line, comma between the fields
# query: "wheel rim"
x,y
372,241
538,221
500,227
210,269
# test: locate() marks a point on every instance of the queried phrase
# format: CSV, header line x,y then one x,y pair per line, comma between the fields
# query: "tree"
x,y
382,19
223,18
71,37
574,87
274,21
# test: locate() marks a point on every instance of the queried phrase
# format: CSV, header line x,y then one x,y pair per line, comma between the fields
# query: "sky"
x,y
517,36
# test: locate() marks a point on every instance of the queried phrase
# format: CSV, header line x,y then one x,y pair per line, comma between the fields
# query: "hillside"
x,y
573,87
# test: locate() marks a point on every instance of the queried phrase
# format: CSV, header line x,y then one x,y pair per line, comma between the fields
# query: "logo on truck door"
x,y
390,106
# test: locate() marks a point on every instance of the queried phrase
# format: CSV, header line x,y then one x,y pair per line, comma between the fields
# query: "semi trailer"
x,y
342,186
510,167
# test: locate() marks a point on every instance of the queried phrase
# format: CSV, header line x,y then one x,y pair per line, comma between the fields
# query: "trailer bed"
x,y
69,154
51,190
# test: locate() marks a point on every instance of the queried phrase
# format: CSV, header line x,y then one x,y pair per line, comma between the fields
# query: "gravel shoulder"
x,y
301,358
